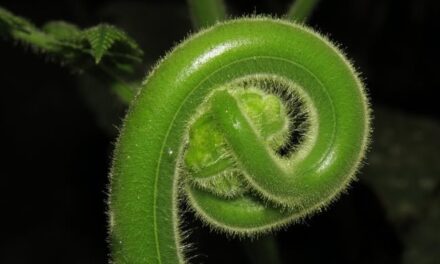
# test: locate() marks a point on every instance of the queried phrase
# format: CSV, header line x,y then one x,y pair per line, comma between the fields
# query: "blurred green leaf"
x,y
65,42
103,37
103,50
62,30
10,22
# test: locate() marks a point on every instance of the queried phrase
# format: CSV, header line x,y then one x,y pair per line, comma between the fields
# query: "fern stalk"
x,y
208,126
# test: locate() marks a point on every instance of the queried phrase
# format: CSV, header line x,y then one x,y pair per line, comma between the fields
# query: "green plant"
x,y
103,50
256,122
199,126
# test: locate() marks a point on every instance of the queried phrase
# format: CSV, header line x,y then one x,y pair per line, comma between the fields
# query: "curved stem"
x,y
282,181
197,79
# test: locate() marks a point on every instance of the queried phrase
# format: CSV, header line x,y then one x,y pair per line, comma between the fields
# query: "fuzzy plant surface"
x,y
254,122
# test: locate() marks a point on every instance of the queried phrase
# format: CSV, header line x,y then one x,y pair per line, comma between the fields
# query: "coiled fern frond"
x,y
257,122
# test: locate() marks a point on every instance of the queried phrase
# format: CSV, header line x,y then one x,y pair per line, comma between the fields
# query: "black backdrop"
x,y
55,160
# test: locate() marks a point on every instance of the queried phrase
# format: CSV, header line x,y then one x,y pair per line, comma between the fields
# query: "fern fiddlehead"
x,y
215,120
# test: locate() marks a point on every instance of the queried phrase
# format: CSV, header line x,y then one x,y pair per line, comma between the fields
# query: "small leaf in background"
x,y
81,50
103,37
24,32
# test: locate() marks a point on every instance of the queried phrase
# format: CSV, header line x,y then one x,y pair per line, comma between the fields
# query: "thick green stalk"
x,y
301,10
208,124
206,13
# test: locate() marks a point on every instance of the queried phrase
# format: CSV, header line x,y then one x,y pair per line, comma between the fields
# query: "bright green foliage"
x,y
199,113
211,121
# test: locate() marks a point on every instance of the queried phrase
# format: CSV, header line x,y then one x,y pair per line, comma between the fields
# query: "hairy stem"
x,y
207,124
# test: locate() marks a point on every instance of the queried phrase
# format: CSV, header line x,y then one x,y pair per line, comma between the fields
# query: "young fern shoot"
x,y
257,122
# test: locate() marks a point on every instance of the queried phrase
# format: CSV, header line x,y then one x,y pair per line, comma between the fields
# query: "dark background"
x,y
56,154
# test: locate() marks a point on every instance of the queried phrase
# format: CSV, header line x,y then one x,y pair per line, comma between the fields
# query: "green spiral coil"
x,y
256,122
